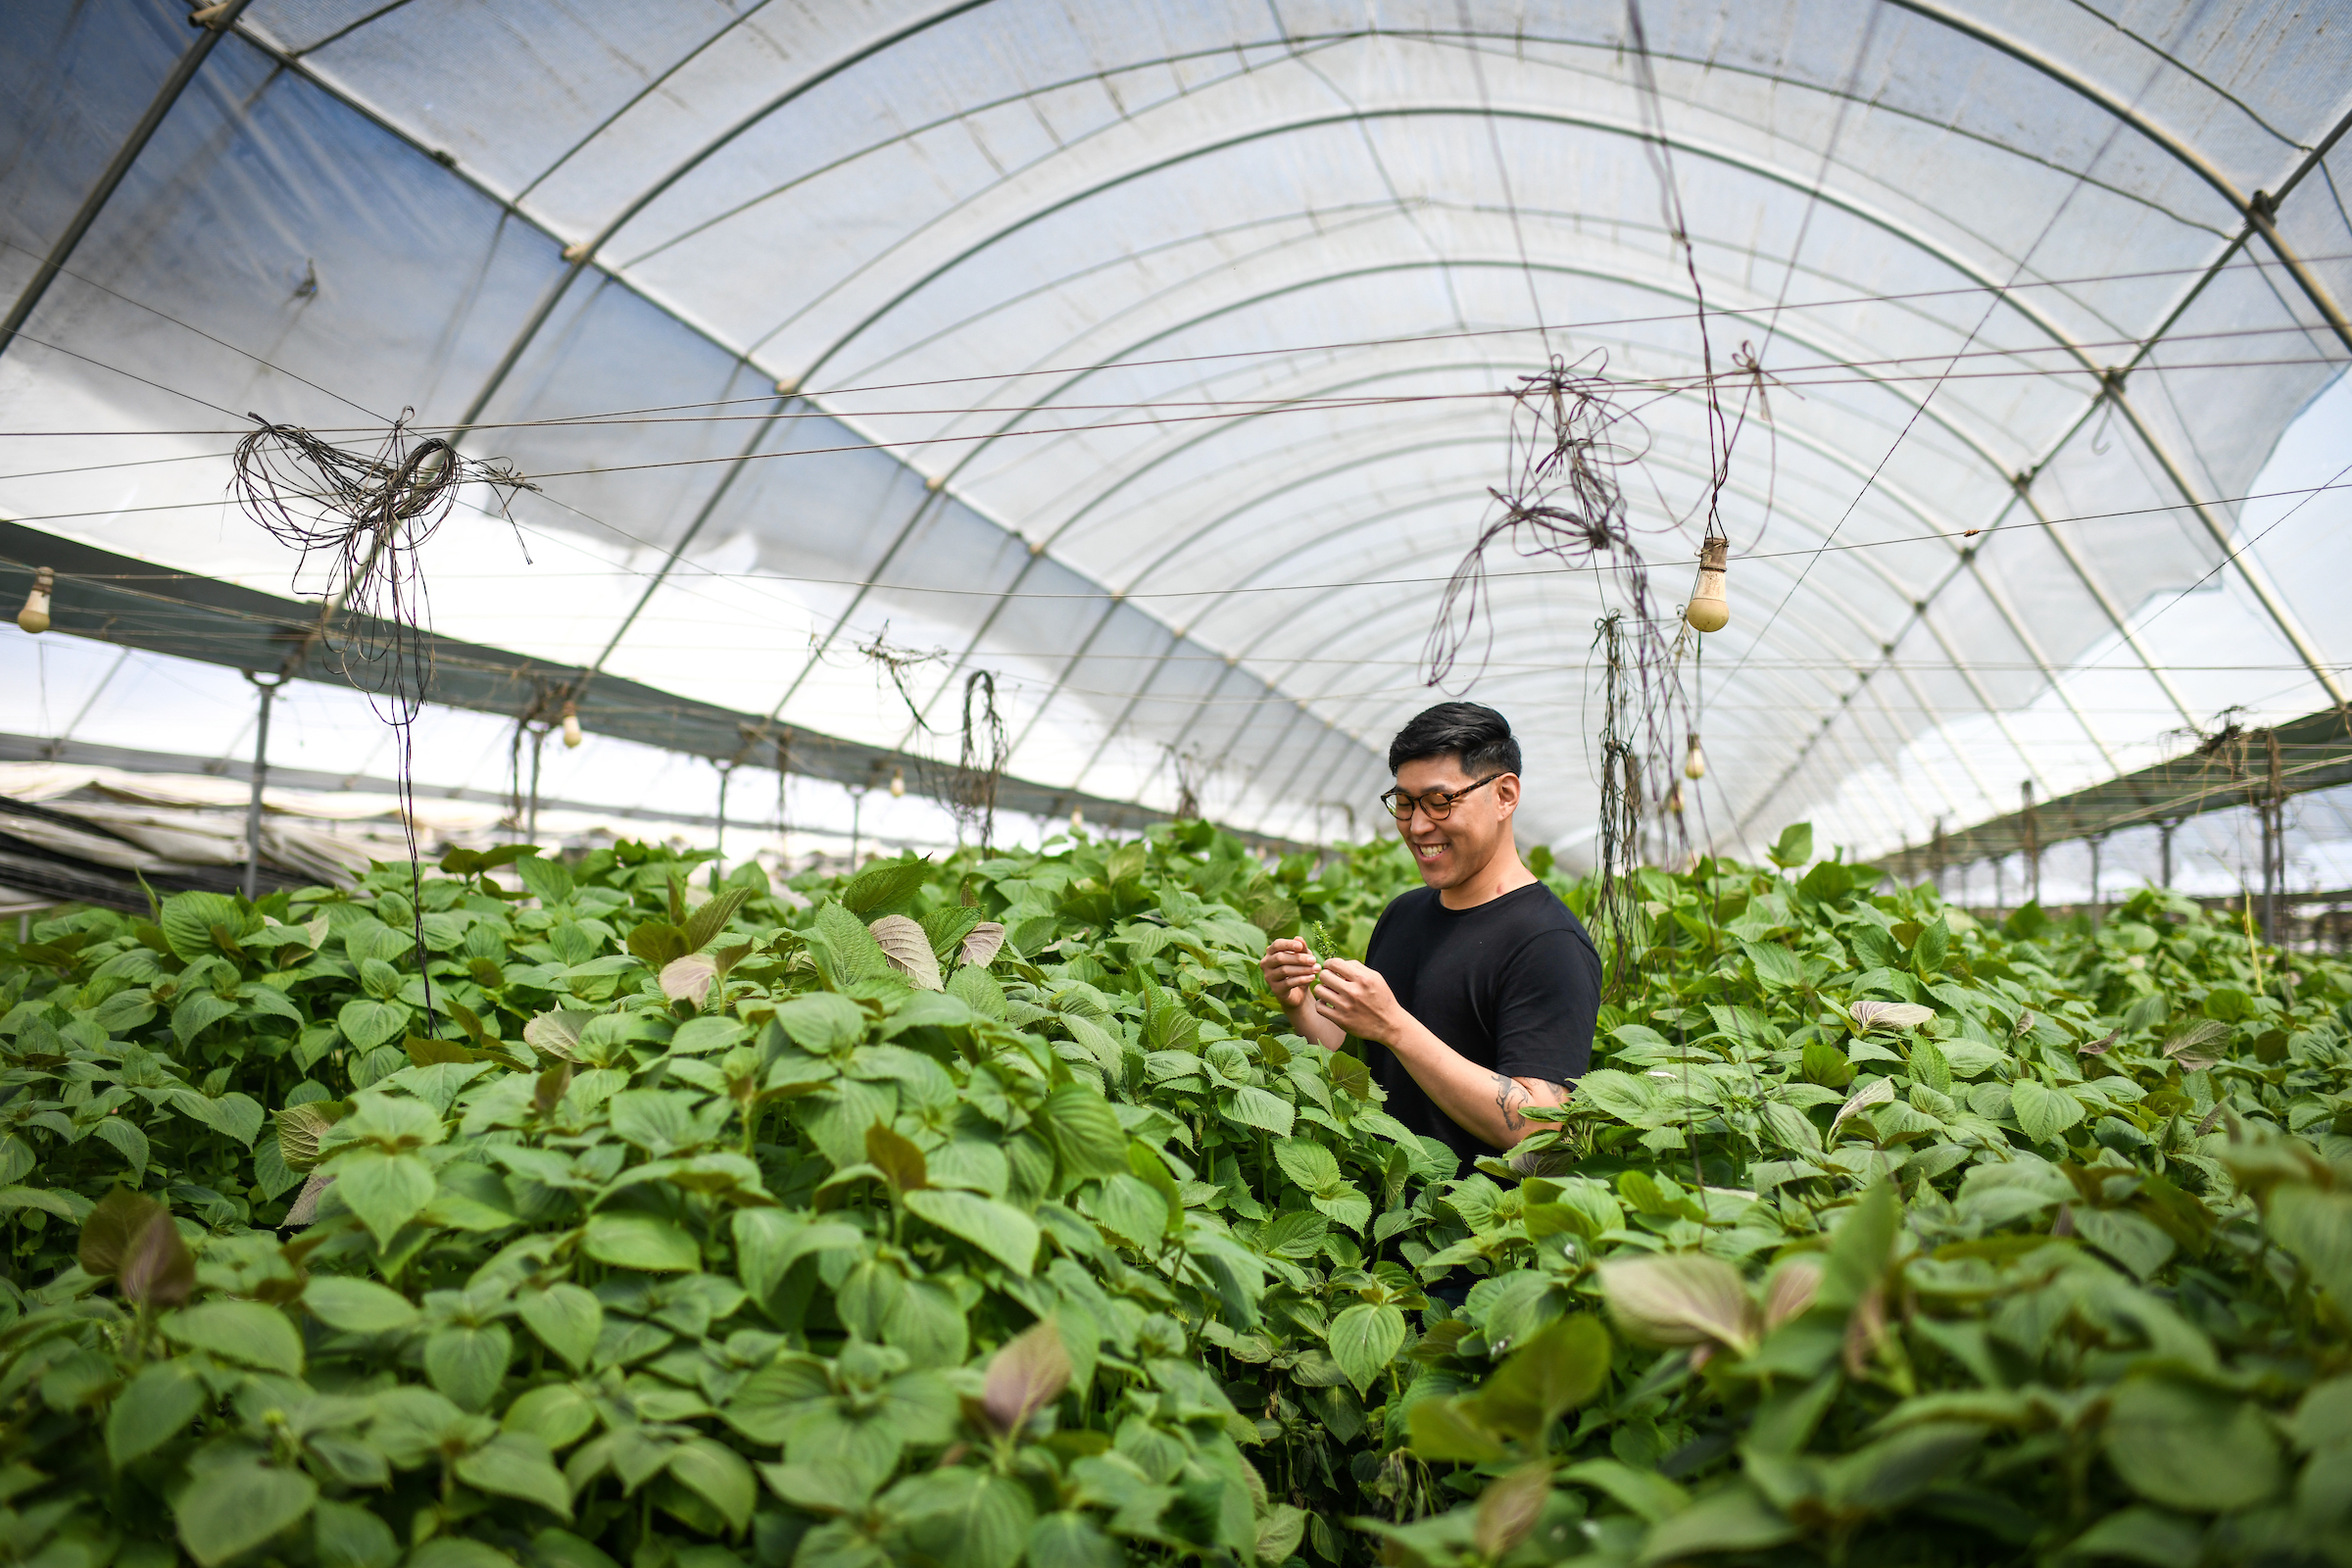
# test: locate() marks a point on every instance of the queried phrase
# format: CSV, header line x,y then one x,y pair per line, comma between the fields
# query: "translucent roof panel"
x,y
1149,357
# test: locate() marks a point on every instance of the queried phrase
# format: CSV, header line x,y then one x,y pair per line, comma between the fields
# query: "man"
x,y
1482,987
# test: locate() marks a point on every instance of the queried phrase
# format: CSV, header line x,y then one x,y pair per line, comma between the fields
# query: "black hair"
x,y
1480,736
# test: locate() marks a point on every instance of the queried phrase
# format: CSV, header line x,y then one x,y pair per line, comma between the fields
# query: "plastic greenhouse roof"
x,y
1147,356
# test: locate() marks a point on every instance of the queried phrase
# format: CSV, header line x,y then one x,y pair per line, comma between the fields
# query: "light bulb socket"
x,y
1708,610
572,725
34,616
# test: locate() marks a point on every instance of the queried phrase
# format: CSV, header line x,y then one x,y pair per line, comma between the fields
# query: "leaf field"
x,y
982,1211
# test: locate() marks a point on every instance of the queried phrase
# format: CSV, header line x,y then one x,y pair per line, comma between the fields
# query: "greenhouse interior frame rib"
x,y
1151,363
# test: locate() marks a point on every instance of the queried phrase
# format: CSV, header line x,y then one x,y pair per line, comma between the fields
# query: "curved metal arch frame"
x,y
1473,40
1879,221
1242,584
1803,439
1304,702
2035,317
2059,74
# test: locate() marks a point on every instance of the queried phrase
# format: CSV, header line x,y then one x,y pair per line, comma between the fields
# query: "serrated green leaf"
x,y
238,1507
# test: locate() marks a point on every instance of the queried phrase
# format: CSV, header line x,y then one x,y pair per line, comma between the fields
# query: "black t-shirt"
x,y
1513,984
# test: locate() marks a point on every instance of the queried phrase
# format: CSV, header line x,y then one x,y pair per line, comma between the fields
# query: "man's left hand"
x,y
1357,999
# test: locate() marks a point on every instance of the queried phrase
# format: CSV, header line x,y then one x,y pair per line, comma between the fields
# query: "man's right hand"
x,y
1290,969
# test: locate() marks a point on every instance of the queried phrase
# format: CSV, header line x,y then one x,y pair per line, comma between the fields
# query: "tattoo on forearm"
x,y
1510,1095
1508,1098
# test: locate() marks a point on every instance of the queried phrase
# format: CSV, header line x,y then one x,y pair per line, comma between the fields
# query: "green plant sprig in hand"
x,y
1320,947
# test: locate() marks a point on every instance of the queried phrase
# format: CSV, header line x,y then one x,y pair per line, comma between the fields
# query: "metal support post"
x,y
530,821
2032,847
2273,839
2096,840
726,771
2164,838
268,687
1998,895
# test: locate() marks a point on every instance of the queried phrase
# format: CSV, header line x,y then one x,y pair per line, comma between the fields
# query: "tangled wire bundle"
x,y
1572,441
365,517
971,789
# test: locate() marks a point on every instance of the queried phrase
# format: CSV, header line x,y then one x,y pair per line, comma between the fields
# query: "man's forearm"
x,y
1309,1021
1483,1103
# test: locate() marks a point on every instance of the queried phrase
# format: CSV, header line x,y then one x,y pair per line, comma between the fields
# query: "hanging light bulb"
x,y
1077,819
1674,798
572,725
897,782
1694,760
1708,610
34,616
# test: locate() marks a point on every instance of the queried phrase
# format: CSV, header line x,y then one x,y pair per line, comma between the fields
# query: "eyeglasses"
x,y
1437,805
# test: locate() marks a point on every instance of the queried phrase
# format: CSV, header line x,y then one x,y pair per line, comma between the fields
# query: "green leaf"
x,y
456,1551
883,884
1071,1541
1084,1133
244,1332
548,880
558,1414
1563,1364
1733,1518
822,1023
1309,1164
1931,948
238,1507
659,1121
367,1023
198,1012
1776,967
2043,1113
2130,1239
385,1190
2190,1447
1255,1108
466,1363
719,1475
357,1306
568,1319
1795,846
998,1229
965,1518
344,1534
1445,1429
1364,1339
513,1464
1645,1491
188,919
2141,1535
1132,1210
152,1409
641,1241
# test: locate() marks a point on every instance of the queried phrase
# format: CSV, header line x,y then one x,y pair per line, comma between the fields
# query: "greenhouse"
x,y
701,752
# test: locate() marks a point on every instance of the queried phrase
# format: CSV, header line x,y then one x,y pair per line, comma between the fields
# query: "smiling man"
x,y
1481,989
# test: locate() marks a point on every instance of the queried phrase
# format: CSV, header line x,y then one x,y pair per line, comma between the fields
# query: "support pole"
x,y
530,827
268,687
2032,847
726,770
2096,840
1999,897
857,822
2164,839
2273,843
